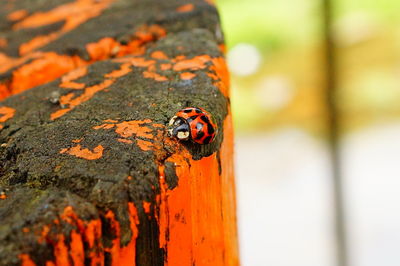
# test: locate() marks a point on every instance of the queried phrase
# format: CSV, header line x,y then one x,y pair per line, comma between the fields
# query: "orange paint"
x,y
77,250
43,234
144,145
139,61
197,62
108,47
222,48
17,15
3,196
87,154
88,93
125,69
127,129
47,68
6,62
185,8
146,207
187,75
74,14
123,255
155,76
26,260
134,128
159,55
190,215
165,66
6,113
102,49
127,141
3,42
67,80
148,33
4,91
221,70
61,251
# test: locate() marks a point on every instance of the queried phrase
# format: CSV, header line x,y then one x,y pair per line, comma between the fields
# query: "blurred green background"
x,y
275,56
275,52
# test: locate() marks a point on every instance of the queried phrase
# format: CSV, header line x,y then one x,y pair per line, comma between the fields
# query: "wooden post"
x,y
88,174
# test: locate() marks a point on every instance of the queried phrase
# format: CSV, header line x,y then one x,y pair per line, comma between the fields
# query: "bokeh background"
x,y
275,51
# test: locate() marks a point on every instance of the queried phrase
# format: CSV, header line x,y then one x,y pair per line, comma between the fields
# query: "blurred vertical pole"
x,y
333,127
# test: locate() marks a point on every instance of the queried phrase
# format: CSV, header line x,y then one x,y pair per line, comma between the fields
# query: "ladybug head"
x,y
179,128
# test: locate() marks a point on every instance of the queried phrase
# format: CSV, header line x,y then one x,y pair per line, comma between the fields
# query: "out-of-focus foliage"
x,y
275,55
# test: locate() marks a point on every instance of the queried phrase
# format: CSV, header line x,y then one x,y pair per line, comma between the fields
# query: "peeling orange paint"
x,y
127,141
159,55
125,69
47,68
185,8
187,75
146,207
67,79
26,260
221,70
61,251
129,128
102,49
17,15
134,128
155,76
73,14
88,93
108,47
144,145
87,154
123,255
148,33
165,66
7,113
77,249
190,214
196,63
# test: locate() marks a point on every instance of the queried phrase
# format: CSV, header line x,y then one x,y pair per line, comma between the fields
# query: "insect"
x,y
193,123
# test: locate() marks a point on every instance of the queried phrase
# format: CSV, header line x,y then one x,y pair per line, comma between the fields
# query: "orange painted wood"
x,y
88,173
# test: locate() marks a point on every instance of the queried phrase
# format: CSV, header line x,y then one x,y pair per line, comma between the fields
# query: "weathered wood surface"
x,y
88,175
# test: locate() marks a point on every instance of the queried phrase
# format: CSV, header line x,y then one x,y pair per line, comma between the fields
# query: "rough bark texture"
x,y
88,175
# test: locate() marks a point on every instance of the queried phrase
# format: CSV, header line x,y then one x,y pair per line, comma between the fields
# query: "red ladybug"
x,y
194,123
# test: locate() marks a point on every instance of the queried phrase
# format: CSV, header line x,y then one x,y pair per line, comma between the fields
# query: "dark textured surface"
x,y
40,181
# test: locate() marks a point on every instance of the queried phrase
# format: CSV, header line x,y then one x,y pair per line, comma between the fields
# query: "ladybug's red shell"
x,y
202,128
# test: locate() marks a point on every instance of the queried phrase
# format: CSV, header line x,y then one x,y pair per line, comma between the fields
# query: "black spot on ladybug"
x,y
200,135
207,140
205,119
193,117
187,111
210,129
197,110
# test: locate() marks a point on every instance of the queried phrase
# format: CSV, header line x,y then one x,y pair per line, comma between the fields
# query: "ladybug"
x,y
193,123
